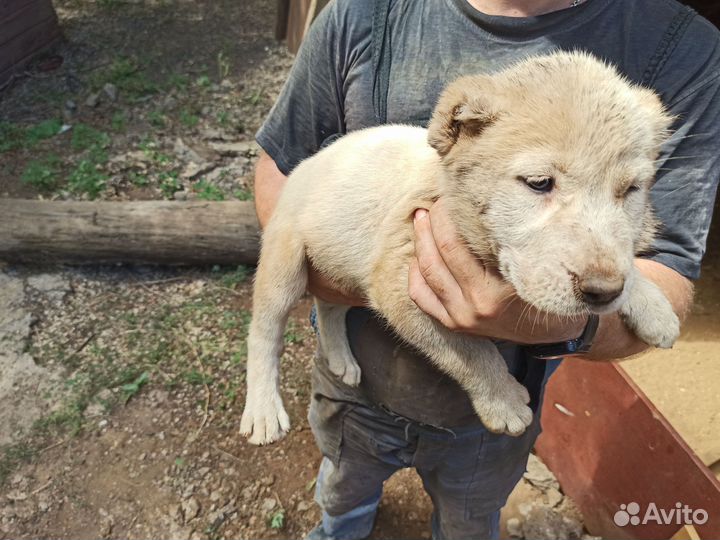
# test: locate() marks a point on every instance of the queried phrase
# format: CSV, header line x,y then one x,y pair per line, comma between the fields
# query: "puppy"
x,y
545,167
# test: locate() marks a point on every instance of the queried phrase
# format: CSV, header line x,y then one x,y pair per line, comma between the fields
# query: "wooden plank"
x,y
281,20
15,54
611,446
25,19
8,7
164,232
301,15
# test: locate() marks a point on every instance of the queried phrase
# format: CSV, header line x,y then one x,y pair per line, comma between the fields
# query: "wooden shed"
x,y
26,28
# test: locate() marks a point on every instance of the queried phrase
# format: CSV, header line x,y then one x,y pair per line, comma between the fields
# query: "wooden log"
x,y
164,232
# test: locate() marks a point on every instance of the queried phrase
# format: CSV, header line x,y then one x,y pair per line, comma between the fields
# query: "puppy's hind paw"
x,y
346,369
264,423
506,411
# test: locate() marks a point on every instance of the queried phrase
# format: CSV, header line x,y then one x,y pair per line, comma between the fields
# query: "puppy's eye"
x,y
539,183
632,189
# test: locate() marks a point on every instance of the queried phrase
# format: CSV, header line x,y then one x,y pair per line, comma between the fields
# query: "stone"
x,y
233,148
185,153
93,100
190,509
268,504
539,475
304,506
554,497
514,527
111,91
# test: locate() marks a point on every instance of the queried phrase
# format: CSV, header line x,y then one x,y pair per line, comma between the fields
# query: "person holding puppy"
x,y
386,61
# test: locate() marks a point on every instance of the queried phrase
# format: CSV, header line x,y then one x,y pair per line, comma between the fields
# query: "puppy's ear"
x,y
464,110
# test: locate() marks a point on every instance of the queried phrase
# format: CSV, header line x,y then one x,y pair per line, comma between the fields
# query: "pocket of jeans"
x,y
326,418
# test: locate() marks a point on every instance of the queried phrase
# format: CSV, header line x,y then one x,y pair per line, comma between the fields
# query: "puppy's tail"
x,y
280,281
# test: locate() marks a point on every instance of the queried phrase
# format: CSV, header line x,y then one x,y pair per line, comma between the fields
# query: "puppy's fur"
x,y
564,118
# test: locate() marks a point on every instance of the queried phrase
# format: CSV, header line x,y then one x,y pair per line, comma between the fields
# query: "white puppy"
x,y
546,168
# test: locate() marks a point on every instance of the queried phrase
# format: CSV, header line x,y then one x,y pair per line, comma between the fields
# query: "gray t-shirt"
x,y
432,42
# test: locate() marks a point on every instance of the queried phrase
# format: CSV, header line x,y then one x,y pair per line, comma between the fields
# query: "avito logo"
x,y
681,514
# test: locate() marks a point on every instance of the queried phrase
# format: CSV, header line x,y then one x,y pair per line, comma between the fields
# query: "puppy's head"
x,y
548,166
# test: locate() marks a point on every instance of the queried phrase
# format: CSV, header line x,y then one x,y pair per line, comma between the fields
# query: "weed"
x,y
223,63
208,192
294,333
85,138
223,118
139,180
42,174
277,519
243,195
156,119
203,81
130,389
235,277
255,97
169,183
178,81
129,77
12,456
10,136
196,377
119,122
86,178
41,131
188,119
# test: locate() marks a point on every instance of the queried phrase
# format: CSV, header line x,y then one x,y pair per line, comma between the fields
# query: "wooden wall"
x,y
26,27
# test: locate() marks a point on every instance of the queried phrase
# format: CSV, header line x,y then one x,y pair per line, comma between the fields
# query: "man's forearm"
x,y
269,181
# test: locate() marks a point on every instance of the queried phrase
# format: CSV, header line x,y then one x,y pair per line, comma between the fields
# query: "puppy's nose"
x,y
598,291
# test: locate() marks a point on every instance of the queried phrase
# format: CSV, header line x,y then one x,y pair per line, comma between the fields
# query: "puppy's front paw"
x,y
345,368
506,410
660,328
264,421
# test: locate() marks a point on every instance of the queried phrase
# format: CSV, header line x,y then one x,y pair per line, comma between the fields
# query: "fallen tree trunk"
x,y
164,232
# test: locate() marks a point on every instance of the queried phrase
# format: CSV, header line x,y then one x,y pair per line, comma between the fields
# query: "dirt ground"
x,y
122,387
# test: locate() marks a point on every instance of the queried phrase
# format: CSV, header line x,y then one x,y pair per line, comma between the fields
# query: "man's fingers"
x,y
430,263
467,270
424,297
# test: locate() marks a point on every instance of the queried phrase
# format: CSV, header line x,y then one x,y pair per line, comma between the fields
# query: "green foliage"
x,y
277,519
85,138
178,81
156,119
169,183
86,178
243,194
119,122
42,174
128,76
41,131
188,119
196,377
203,81
208,192
223,64
139,180
130,389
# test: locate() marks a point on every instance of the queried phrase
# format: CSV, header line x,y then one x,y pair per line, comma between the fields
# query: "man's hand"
x,y
448,282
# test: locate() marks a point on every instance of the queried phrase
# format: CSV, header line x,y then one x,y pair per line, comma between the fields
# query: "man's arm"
x,y
269,181
449,283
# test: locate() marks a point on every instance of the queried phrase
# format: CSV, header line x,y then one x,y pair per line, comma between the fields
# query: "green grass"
x,y
13,136
169,183
243,195
86,178
118,123
42,174
188,119
157,119
208,192
85,138
128,75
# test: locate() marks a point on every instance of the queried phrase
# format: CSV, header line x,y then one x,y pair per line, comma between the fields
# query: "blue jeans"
x,y
468,473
